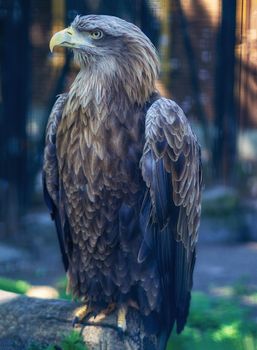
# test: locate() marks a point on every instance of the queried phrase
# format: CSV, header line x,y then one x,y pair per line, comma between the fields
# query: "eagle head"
x,y
112,48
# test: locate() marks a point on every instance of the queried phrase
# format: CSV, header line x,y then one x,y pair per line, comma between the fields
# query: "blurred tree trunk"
x,y
15,93
193,69
225,122
165,42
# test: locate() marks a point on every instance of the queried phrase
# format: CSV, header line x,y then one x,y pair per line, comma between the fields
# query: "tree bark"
x,y
25,321
225,121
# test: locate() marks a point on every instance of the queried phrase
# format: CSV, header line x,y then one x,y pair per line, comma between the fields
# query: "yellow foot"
x,y
80,313
121,321
101,315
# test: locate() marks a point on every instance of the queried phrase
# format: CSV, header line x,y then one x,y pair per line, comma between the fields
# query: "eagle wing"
x,y
170,214
51,177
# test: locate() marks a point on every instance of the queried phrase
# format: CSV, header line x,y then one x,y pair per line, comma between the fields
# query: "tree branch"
x,y
25,321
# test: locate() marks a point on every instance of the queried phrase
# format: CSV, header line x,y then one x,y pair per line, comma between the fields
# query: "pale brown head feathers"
x,y
117,56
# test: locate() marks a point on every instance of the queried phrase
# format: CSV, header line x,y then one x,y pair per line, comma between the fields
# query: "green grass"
x,y
72,341
15,286
61,287
216,324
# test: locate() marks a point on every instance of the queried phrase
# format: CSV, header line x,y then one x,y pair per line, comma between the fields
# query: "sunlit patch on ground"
x,y
226,291
252,246
44,292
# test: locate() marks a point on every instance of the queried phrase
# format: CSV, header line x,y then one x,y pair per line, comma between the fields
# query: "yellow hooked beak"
x,y
69,37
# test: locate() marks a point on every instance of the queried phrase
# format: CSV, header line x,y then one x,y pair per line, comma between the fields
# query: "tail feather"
x,y
163,339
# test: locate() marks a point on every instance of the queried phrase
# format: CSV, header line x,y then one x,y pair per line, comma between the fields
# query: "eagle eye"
x,y
96,34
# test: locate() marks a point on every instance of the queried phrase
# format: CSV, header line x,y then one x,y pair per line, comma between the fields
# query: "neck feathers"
x,y
103,84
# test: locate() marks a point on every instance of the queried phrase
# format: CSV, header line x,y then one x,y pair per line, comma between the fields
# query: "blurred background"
x,y
208,52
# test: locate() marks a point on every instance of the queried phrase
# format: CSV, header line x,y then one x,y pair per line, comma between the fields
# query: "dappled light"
x,y
44,292
217,323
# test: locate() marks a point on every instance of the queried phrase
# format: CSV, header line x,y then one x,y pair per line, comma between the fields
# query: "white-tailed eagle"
x,y
122,177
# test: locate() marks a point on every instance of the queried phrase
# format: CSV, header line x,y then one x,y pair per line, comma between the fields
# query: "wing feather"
x,y
171,168
51,179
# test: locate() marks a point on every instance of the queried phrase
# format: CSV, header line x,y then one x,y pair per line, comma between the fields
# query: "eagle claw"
x,y
80,314
75,321
121,322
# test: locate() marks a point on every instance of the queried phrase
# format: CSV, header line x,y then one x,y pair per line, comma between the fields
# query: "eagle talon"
x,y
121,321
75,321
80,314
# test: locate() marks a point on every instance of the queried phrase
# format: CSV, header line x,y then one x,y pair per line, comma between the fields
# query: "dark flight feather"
x,y
173,209
51,179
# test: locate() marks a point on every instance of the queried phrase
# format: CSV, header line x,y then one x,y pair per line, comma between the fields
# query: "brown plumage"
x,y
122,176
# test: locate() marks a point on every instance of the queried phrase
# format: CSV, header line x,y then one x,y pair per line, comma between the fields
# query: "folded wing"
x,y
51,180
171,168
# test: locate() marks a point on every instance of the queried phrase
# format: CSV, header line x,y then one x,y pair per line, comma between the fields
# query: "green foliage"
x,y
73,341
61,286
220,202
216,324
252,299
15,286
35,347
241,287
